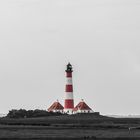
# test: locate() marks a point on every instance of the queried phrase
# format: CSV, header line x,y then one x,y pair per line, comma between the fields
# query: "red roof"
x,y
55,106
82,106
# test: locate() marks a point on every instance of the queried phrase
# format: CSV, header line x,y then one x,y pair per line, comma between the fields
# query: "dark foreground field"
x,y
84,126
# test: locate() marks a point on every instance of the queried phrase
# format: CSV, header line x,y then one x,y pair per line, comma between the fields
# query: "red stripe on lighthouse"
x,y
69,88
69,74
69,104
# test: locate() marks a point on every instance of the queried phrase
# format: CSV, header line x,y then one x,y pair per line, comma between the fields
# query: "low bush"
x,y
22,113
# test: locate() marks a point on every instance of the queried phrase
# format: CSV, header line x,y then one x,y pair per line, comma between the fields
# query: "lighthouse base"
x,y
68,111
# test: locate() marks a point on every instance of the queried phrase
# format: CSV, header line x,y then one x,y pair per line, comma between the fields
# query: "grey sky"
x,y
101,38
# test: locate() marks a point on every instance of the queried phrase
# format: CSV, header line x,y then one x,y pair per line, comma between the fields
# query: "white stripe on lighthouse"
x,y
69,95
68,81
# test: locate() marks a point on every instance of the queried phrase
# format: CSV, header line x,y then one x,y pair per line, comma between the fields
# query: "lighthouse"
x,y
69,102
69,108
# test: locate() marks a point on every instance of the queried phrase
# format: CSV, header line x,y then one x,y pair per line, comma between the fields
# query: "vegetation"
x,y
79,126
22,113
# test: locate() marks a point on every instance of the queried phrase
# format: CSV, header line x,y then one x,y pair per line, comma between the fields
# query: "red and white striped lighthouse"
x,y
69,102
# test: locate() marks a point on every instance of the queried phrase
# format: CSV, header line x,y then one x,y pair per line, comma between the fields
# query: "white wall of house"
x,y
83,111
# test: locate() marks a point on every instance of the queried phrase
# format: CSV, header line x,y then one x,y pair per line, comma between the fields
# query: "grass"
x,y
73,126
39,132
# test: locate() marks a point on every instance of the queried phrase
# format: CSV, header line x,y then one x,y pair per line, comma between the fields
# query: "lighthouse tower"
x,y
69,102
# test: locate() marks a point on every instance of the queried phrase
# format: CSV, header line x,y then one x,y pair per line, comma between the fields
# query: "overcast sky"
x,y
101,39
